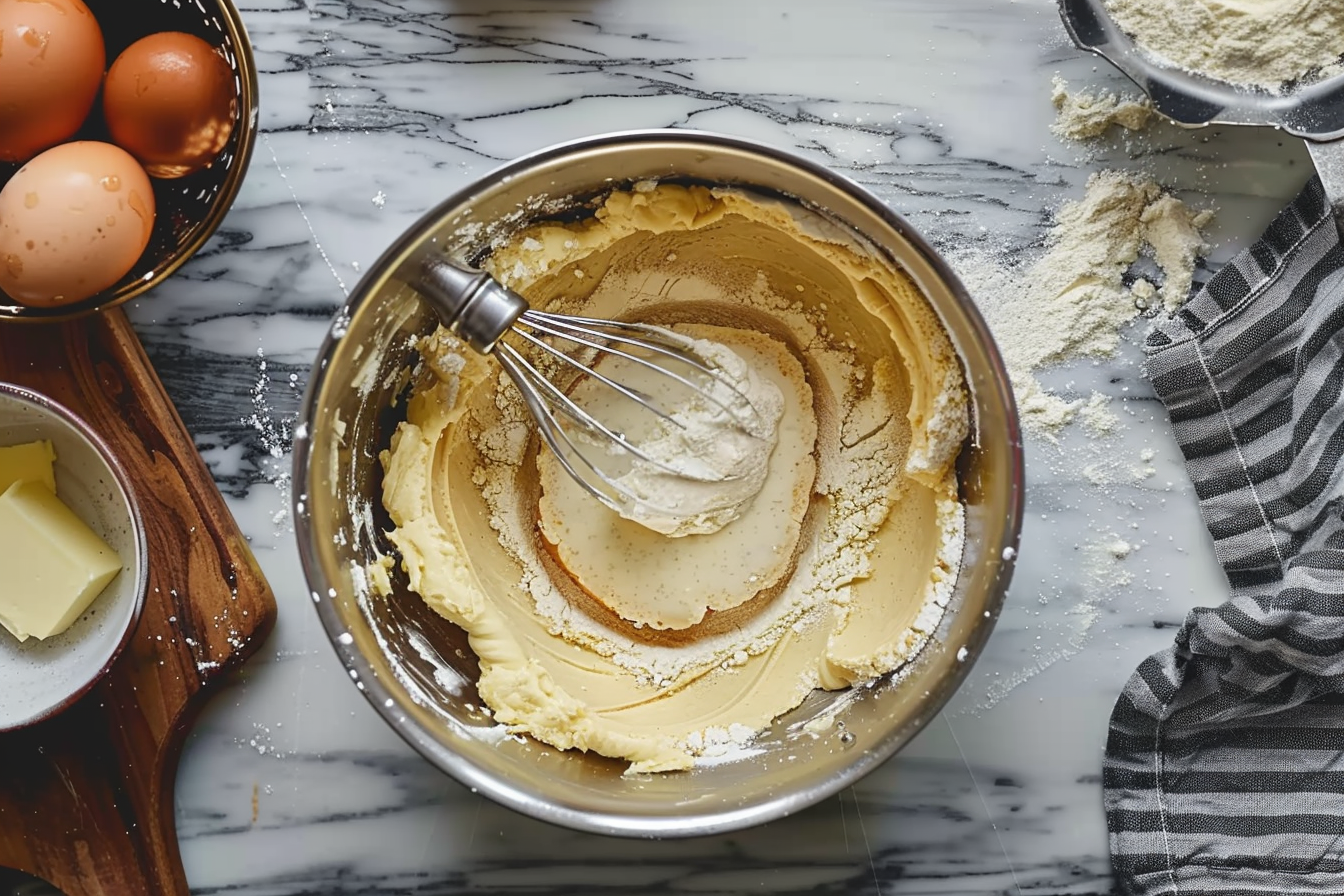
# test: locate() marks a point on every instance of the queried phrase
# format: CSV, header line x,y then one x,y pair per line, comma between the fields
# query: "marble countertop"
x,y
373,110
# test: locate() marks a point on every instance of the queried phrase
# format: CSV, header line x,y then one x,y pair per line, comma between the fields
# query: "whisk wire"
x,y
588,370
591,330
603,330
574,410
480,310
559,442
555,437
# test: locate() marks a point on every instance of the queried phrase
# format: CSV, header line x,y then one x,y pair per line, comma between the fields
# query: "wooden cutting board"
x,y
86,798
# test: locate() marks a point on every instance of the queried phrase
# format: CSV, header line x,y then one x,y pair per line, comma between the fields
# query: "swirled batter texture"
x,y
596,633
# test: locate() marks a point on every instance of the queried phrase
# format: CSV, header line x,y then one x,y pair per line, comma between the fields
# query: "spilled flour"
x,y
1073,301
274,430
1083,115
1124,248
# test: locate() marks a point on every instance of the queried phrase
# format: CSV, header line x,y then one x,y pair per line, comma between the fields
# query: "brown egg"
x,y
171,102
73,221
51,63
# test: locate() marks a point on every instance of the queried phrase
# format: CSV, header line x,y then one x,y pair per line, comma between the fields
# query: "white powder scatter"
x,y
1072,302
1173,230
262,742
1109,467
1143,292
1261,43
359,579
491,734
717,741
821,724
1103,565
1104,573
1097,417
1117,547
1083,115
275,432
1145,469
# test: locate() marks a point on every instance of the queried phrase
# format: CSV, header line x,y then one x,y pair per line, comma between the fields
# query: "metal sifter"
x,y
1312,111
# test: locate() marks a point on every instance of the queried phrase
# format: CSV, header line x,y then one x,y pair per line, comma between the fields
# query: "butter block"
x,y
52,564
29,462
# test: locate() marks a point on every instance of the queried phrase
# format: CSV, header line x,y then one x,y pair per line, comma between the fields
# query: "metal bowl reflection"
x,y
418,670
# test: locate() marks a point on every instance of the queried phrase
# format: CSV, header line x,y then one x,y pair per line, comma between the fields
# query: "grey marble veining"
x,y
372,110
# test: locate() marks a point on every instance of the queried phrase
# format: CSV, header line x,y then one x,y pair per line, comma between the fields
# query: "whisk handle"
x,y
470,303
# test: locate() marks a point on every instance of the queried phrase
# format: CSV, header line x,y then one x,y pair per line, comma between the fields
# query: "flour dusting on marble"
x,y
1073,301
1085,114
275,432
1125,248
262,741
294,197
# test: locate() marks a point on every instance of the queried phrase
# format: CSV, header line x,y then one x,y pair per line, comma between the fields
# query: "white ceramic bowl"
x,y
39,678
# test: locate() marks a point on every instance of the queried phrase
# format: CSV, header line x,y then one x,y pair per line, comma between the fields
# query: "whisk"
x,y
597,452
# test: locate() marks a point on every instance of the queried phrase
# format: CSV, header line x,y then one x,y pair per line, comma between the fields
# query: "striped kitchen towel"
x,y
1224,768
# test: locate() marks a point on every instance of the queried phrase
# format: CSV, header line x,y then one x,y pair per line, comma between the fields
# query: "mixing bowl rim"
x,y
81,427
538,806
248,116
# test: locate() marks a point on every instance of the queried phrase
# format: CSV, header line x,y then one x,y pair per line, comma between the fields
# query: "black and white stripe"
x,y
1224,769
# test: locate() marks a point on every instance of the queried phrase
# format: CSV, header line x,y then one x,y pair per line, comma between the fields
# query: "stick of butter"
x,y
30,462
52,563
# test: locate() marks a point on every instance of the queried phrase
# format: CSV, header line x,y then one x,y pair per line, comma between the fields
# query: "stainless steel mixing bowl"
x,y
418,670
